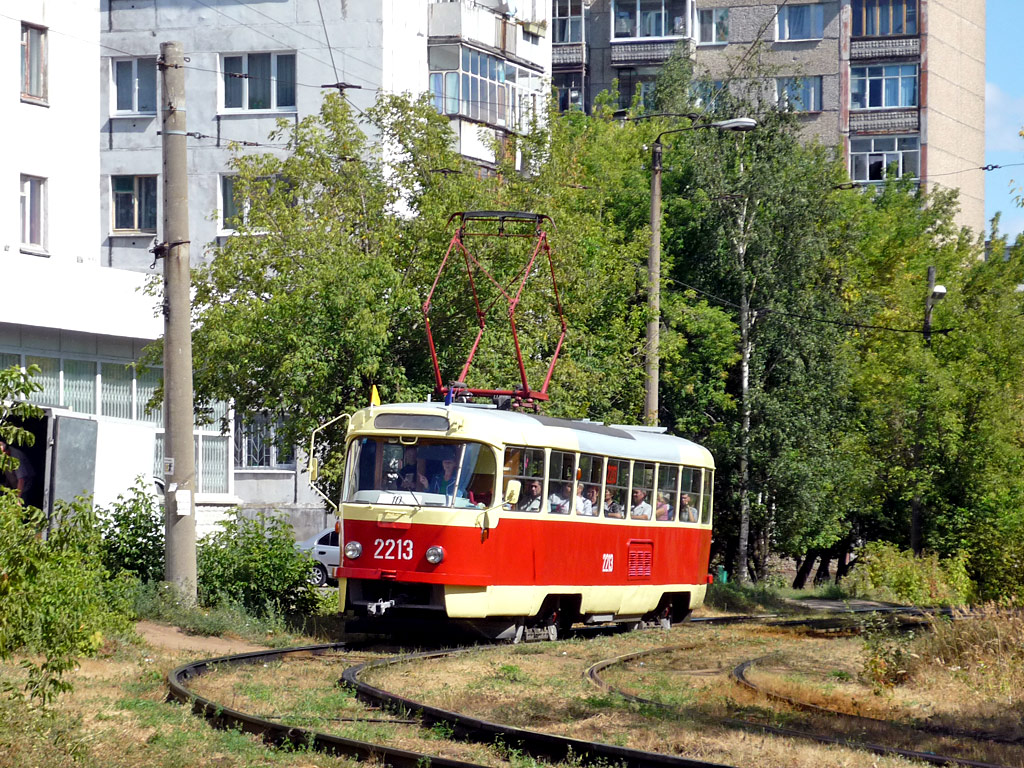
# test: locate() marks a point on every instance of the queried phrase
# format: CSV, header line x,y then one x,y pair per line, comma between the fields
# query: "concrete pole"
x,y
654,292
179,451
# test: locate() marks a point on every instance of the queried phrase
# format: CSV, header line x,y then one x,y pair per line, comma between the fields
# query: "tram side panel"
x,y
508,569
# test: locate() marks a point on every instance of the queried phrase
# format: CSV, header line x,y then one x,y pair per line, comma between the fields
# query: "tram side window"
x,y
561,482
709,488
527,466
589,482
690,501
615,489
643,487
668,490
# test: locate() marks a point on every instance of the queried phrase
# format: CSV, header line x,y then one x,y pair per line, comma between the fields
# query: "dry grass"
x,y
117,715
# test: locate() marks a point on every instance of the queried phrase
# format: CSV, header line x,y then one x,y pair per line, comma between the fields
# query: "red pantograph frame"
x,y
524,393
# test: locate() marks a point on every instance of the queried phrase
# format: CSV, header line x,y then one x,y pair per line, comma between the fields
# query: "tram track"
x,y
462,727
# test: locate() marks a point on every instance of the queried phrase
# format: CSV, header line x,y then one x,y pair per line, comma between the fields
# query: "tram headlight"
x,y
353,549
435,555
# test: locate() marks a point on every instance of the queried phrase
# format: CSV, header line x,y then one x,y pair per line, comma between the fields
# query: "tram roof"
x,y
520,428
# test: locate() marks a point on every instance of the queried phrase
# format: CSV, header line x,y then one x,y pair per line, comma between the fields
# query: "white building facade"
x,y
82,325
79,312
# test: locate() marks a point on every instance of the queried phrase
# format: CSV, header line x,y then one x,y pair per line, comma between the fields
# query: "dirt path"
x,y
173,639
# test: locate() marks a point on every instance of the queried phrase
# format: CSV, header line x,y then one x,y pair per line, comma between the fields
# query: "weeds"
x,y
886,651
736,598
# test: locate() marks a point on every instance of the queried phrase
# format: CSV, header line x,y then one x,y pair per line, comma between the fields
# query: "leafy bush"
x,y
133,535
254,563
883,572
55,596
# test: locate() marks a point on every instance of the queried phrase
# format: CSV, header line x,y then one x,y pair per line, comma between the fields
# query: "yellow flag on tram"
x,y
374,395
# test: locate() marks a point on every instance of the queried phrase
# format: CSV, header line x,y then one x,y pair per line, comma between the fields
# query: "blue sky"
x,y
1004,112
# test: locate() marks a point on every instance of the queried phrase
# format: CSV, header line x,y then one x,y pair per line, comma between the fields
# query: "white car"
x,y
323,548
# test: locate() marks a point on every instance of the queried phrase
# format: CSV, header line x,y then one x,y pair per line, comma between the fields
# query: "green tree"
x,y
749,224
16,387
941,419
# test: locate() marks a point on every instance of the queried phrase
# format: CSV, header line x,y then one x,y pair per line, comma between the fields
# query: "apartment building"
x,y
83,326
248,66
897,85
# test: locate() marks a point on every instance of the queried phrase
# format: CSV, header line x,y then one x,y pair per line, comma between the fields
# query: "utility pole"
x,y
653,351
179,451
653,357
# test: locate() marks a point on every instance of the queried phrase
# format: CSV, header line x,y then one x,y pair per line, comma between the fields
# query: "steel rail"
x,y
534,743
221,716
593,674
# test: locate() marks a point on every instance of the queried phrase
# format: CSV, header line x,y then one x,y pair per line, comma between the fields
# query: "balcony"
x,y
631,53
887,120
885,48
565,55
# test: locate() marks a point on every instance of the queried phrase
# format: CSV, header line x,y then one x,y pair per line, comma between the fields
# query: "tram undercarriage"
x,y
381,606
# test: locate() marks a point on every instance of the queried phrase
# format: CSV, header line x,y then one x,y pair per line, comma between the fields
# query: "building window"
x,y
257,444
232,209
264,81
713,26
568,90
135,86
648,18
877,158
567,21
33,212
134,203
801,22
882,18
704,93
33,63
886,87
800,94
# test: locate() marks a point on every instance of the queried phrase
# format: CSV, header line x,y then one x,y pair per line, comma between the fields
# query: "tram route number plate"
x,y
607,562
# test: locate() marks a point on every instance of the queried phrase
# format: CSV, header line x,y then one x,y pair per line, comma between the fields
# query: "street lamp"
x,y
738,124
936,293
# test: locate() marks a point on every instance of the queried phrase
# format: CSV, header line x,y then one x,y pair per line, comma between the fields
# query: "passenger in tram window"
x,y
591,500
560,502
688,513
612,508
663,510
640,510
531,499
583,505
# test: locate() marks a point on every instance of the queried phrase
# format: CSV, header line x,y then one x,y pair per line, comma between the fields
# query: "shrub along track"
x,y
539,745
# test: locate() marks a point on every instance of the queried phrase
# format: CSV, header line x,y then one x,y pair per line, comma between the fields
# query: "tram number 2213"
x,y
392,549
607,563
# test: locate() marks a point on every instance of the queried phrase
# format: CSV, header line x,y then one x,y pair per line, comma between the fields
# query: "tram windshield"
x,y
418,472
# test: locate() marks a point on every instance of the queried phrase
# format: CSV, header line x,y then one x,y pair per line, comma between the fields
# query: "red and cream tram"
x,y
520,524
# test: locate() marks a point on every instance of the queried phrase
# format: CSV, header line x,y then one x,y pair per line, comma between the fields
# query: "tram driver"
x,y
409,476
